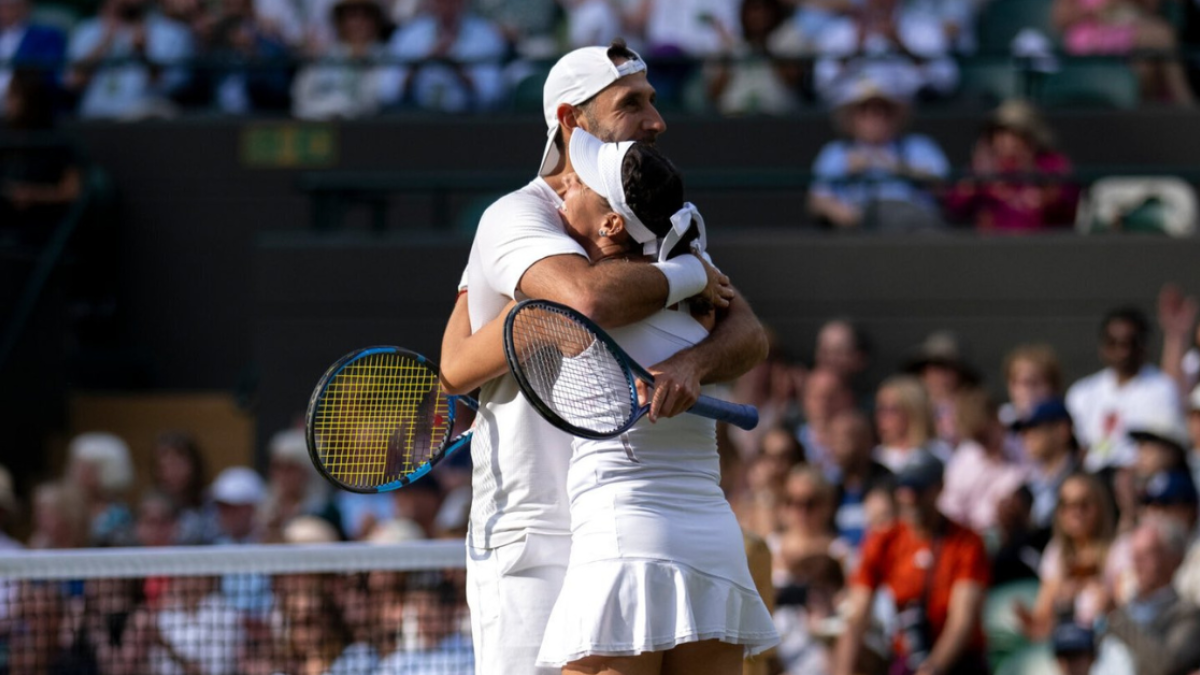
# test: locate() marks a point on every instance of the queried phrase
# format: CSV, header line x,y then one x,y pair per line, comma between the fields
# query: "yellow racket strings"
x,y
380,418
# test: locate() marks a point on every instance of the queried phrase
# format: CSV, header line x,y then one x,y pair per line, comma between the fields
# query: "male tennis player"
x,y
518,543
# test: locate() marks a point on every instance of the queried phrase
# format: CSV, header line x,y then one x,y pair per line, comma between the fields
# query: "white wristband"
x,y
685,275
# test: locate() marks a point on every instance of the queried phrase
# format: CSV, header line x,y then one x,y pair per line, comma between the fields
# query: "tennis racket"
x,y
378,420
577,377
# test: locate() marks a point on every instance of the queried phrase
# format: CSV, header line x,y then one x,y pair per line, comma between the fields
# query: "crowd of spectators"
x,y
892,510
322,59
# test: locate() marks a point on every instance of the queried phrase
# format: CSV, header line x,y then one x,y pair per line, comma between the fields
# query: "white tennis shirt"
x,y
519,475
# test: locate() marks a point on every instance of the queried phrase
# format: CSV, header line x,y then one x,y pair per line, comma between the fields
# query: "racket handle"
x,y
742,416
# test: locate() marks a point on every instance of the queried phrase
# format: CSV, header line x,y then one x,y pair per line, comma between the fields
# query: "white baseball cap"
x,y
239,486
576,78
598,165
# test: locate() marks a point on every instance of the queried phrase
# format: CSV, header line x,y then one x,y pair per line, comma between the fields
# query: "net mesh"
x,y
570,370
379,418
347,609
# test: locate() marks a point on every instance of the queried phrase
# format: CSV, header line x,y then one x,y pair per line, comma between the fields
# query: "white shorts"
x,y
511,590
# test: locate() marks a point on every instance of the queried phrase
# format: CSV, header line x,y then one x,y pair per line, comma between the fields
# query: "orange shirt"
x,y
897,558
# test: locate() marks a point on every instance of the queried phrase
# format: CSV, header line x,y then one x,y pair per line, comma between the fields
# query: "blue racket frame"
x,y
449,445
743,416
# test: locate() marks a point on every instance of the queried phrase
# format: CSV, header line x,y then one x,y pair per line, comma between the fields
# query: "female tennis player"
x,y
658,580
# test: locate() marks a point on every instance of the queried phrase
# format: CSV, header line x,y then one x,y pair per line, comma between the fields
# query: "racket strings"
x,y
380,418
571,371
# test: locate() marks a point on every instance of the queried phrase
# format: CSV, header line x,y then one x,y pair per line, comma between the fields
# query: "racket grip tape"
x,y
742,416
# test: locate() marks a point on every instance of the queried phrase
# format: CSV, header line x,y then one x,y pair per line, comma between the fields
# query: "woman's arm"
x,y
471,359
1037,624
966,599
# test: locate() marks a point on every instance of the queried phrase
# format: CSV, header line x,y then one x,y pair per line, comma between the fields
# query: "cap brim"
x,y
550,156
585,160
1153,437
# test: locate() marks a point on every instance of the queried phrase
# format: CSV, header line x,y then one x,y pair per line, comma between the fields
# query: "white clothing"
x,y
436,86
519,474
325,91
127,90
511,590
1104,412
688,25
210,637
883,63
657,556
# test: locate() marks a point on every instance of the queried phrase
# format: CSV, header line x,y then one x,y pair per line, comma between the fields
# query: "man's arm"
x,y
736,344
966,599
615,293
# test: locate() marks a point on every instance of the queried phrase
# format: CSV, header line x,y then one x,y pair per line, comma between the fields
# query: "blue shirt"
x,y
917,152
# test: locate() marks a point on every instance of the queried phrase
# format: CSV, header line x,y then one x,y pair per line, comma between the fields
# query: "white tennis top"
x,y
519,474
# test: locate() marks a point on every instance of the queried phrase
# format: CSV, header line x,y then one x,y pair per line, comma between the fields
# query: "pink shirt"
x,y
975,483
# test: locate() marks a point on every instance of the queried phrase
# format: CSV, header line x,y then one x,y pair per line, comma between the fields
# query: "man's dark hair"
x,y
1132,316
617,49
654,190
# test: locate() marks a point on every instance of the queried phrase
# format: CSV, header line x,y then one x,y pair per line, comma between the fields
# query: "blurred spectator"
x,y
1161,446
807,518
1050,449
294,488
1168,494
199,633
345,87
1180,353
937,572
807,618
825,396
100,470
60,518
755,75
956,18
179,473
944,372
440,646
35,647
314,635
877,176
1032,374
1127,392
238,491
452,60
597,22
1158,627
8,510
157,521
528,25
889,42
1193,425
1121,28
419,502
688,27
1073,587
303,25
843,346
125,62
778,453
39,183
979,475
850,445
310,530
26,45
112,631
244,46
904,422
774,387
1015,181
812,18
1074,649
1016,545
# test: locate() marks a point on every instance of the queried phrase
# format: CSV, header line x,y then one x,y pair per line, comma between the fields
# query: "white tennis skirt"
x,y
648,573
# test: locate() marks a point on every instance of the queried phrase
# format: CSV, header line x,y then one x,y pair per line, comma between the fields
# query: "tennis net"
x,y
337,609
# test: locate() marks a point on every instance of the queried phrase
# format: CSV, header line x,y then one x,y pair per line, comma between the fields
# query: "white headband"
x,y
598,165
683,220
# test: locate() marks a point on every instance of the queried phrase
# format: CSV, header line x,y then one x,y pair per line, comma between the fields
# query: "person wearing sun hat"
x,y
519,530
1018,142
876,175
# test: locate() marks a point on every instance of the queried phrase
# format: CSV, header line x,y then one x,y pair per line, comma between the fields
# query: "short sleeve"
x,y
462,281
515,233
871,566
972,561
924,155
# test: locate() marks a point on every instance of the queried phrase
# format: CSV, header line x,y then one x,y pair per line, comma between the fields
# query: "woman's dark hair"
x,y
186,445
654,190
